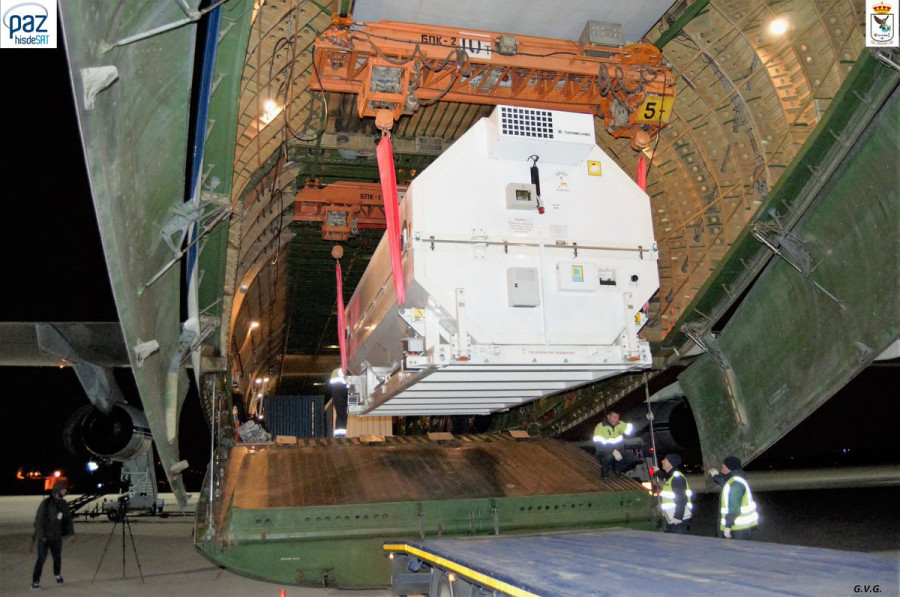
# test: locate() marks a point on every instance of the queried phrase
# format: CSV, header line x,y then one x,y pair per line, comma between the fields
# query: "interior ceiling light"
x,y
778,26
272,109
254,325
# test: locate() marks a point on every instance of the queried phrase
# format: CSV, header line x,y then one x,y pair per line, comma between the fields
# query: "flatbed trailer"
x,y
624,562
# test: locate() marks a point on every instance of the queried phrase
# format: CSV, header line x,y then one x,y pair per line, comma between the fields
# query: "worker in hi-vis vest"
x,y
737,510
675,496
609,444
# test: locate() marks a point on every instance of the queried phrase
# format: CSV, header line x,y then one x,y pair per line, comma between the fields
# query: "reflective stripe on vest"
x,y
749,517
667,499
608,435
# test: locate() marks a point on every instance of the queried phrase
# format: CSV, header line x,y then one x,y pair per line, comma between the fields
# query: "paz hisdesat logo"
x,y
28,24
881,25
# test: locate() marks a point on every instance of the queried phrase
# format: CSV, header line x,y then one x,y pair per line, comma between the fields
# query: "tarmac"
x,y
170,564
845,518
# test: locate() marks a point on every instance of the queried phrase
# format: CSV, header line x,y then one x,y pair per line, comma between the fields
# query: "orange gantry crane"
x,y
342,207
396,67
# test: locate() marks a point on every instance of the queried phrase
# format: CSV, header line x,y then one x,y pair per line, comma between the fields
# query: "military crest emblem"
x,y
882,24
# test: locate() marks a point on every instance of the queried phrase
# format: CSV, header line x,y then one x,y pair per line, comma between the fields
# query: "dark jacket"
x,y
53,519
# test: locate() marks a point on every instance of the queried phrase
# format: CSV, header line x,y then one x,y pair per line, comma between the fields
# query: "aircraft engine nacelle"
x,y
121,435
674,427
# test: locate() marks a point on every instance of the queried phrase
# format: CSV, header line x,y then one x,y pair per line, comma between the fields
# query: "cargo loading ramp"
x,y
350,471
317,512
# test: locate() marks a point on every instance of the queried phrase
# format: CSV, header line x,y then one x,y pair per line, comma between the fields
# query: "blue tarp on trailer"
x,y
640,563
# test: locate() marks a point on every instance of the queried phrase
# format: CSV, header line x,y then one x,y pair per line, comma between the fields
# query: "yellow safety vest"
x,y
748,518
607,435
667,499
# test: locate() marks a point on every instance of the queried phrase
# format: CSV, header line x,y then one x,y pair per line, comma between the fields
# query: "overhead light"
x,y
254,325
258,380
92,466
271,110
265,380
778,26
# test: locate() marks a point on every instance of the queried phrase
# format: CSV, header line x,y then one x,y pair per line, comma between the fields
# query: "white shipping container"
x,y
506,304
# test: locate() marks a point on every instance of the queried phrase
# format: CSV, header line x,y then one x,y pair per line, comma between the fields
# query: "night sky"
x,y
54,268
54,271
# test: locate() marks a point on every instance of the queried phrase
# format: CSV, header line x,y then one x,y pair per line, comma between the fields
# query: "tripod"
x,y
121,516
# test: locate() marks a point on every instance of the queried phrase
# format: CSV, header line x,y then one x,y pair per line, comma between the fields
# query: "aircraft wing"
x,y
54,344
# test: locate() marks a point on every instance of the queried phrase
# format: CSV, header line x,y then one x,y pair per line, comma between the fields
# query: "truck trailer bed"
x,y
619,562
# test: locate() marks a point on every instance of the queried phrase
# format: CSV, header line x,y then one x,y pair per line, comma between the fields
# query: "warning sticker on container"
x,y
594,168
521,225
577,273
562,178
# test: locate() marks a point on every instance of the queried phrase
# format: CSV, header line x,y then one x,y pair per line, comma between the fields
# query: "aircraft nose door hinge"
x,y
207,326
142,350
792,250
174,232
95,79
699,332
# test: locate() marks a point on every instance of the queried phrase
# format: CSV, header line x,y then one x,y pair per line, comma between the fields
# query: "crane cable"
x,y
650,418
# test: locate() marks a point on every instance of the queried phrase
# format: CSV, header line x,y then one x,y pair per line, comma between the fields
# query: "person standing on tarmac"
x,y
675,496
737,510
52,522
609,444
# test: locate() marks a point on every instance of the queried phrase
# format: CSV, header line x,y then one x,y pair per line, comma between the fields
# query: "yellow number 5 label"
x,y
655,108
